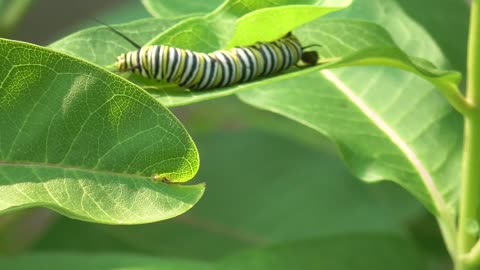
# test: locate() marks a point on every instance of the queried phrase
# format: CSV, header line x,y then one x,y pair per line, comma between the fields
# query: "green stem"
x,y
467,224
11,14
467,230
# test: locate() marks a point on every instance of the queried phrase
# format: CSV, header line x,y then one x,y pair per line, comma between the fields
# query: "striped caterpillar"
x,y
199,71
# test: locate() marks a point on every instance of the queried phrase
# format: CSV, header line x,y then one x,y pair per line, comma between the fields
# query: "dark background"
x,y
49,20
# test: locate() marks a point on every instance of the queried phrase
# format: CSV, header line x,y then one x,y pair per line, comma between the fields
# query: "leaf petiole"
x,y
466,236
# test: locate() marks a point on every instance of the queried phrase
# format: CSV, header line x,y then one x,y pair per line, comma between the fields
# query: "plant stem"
x,y
467,225
467,233
12,13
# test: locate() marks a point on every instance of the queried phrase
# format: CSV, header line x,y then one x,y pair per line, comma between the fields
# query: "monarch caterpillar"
x,y
199,71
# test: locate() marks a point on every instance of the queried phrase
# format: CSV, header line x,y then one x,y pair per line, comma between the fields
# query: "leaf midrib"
x,y
69,168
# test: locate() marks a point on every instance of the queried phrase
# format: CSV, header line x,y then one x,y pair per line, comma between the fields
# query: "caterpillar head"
x,y
310,58
121,63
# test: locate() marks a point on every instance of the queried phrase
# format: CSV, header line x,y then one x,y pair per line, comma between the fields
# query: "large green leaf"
x,y
61,261
379,140
356,251
405,116
86,143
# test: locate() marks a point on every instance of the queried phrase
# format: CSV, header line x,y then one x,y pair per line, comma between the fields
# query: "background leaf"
x,y
11,14
404,31
52,261
85,143
443,17
357,251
